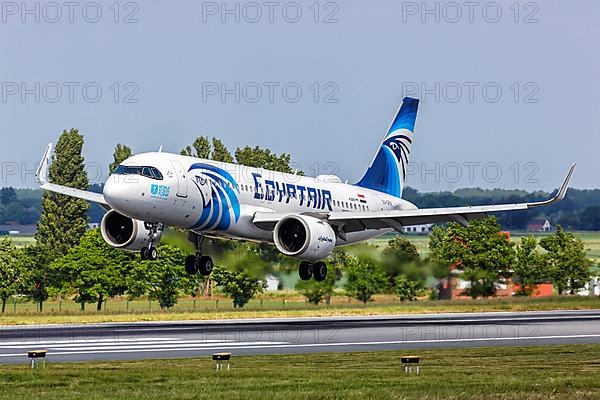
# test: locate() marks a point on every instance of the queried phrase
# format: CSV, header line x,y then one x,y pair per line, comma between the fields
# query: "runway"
x,y
129,341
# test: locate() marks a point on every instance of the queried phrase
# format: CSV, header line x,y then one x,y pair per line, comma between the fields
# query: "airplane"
x,y
304,217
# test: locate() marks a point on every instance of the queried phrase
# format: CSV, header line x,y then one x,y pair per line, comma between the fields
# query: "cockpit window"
x,y
148,172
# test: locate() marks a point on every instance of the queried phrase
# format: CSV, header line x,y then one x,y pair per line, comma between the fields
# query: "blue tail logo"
x,y
218,190
387,172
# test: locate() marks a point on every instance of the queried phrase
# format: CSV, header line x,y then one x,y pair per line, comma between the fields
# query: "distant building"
x,y
592,288
539,225
272,283
418,229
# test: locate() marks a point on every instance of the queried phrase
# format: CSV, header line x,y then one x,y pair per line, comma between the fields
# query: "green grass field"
x,y
206,310
524,373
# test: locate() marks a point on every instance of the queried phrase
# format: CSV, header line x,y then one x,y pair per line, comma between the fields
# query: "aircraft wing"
x,y
41,176
346,222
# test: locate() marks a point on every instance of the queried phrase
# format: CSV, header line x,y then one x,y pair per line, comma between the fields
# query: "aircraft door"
x,y
182,181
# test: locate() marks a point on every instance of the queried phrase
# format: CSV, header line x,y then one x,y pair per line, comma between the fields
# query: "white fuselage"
x,y
220,199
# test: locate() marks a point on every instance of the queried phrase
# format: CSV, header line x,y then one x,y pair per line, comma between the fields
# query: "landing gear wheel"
x,y
305,270
152,253
144,253
320,271
190,265
205,265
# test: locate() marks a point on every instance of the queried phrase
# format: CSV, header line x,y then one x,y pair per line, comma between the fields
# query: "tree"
x,y
481,251
566,260
313,291
160,279
528,267
220,151
120,154
7,196
263,158
402,258
63,220
364,278
406,289
208,149
201,148
590,218
239,286
38,261
93,269
13,272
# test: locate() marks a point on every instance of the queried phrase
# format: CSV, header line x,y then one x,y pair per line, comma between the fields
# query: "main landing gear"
x,y
198,263
309,270
154,231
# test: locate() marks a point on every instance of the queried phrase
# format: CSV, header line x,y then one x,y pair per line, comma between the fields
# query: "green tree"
x,y
7,196
161,279
263,158
406,289
481,251
313,291
220,152
364,278
208,149
120,154
92,269
401,257
38,261
63,220
239,286
201,148
13,272
590,218
528,267
566,260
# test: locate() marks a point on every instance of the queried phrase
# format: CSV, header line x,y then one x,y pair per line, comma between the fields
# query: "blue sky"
x,y
509,94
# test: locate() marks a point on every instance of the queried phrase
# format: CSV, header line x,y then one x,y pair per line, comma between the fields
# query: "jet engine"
x,y
304,237
125,233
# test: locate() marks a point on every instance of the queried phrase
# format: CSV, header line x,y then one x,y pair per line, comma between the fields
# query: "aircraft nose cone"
x,y
113,193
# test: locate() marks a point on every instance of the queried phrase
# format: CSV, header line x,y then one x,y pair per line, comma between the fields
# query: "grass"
x,y
528,373
206,310
23,240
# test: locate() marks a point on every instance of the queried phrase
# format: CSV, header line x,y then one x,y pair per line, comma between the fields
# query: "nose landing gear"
x,y
316,270
198,263
154,233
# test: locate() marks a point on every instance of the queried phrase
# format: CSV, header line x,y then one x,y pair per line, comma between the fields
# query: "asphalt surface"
x,y
129,341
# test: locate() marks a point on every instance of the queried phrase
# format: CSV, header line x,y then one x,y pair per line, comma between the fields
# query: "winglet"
x,y
562,191
41,175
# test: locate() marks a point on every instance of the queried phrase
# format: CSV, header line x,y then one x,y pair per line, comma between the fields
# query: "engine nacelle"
x,y
304,237
125,233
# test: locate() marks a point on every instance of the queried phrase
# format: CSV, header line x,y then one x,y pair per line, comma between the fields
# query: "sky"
x,y
509,90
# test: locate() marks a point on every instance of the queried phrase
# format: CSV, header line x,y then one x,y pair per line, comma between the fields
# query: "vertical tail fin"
x,y
387,172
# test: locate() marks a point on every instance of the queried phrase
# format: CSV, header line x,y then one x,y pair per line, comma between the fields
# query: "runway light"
x,y
35,356
219,358
408,362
